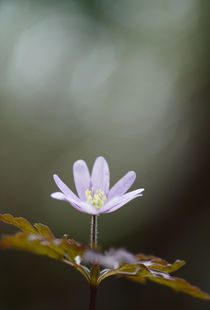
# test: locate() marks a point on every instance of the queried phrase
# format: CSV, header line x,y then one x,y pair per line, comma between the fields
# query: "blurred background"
x,y
126,79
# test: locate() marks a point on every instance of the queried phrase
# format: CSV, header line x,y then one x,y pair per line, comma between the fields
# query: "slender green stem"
x,y
93,292
93,232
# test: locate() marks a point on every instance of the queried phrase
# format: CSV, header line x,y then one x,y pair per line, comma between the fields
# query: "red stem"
x,y
93,292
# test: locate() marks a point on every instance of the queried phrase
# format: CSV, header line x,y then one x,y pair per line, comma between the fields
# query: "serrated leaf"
x,y
19,222
72,248
157,270
159,264
44,230
39,239
144,265
177,284
167,268
31,243
55,248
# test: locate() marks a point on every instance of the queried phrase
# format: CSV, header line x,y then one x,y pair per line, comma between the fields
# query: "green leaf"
x,y
19,222
44,230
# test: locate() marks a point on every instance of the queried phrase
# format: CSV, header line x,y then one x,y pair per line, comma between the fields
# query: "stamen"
x,y
96,199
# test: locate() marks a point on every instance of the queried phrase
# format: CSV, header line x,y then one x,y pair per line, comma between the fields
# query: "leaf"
x,y
71,248
159,264
167,268
59,249
179,285
157,270
31,243
44,230
19,222
39,239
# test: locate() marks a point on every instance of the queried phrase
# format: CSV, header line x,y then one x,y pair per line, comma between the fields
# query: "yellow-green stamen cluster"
x,y
96,199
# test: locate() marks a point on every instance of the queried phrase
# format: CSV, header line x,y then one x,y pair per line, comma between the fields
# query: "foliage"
x,y
39,239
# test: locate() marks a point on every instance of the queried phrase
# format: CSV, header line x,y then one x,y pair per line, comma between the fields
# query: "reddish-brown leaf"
x,y
178,285
39,239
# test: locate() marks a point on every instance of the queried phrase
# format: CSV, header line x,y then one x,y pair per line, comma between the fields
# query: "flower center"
x,y
95,198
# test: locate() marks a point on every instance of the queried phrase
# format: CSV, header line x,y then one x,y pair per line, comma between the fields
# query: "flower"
x,y
93,190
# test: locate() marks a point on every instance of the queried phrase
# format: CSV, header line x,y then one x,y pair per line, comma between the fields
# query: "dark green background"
x,y
128,80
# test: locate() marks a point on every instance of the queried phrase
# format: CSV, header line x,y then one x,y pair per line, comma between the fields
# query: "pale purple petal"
x,y
88,208
122,203
109,204
77,204
119,199
64,188
81,178
61,196
100,175
82,206
58,196
99,180
123,200
123,185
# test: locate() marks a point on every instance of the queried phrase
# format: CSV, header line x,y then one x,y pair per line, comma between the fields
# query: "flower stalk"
x,y
93,232
94,272
93,292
